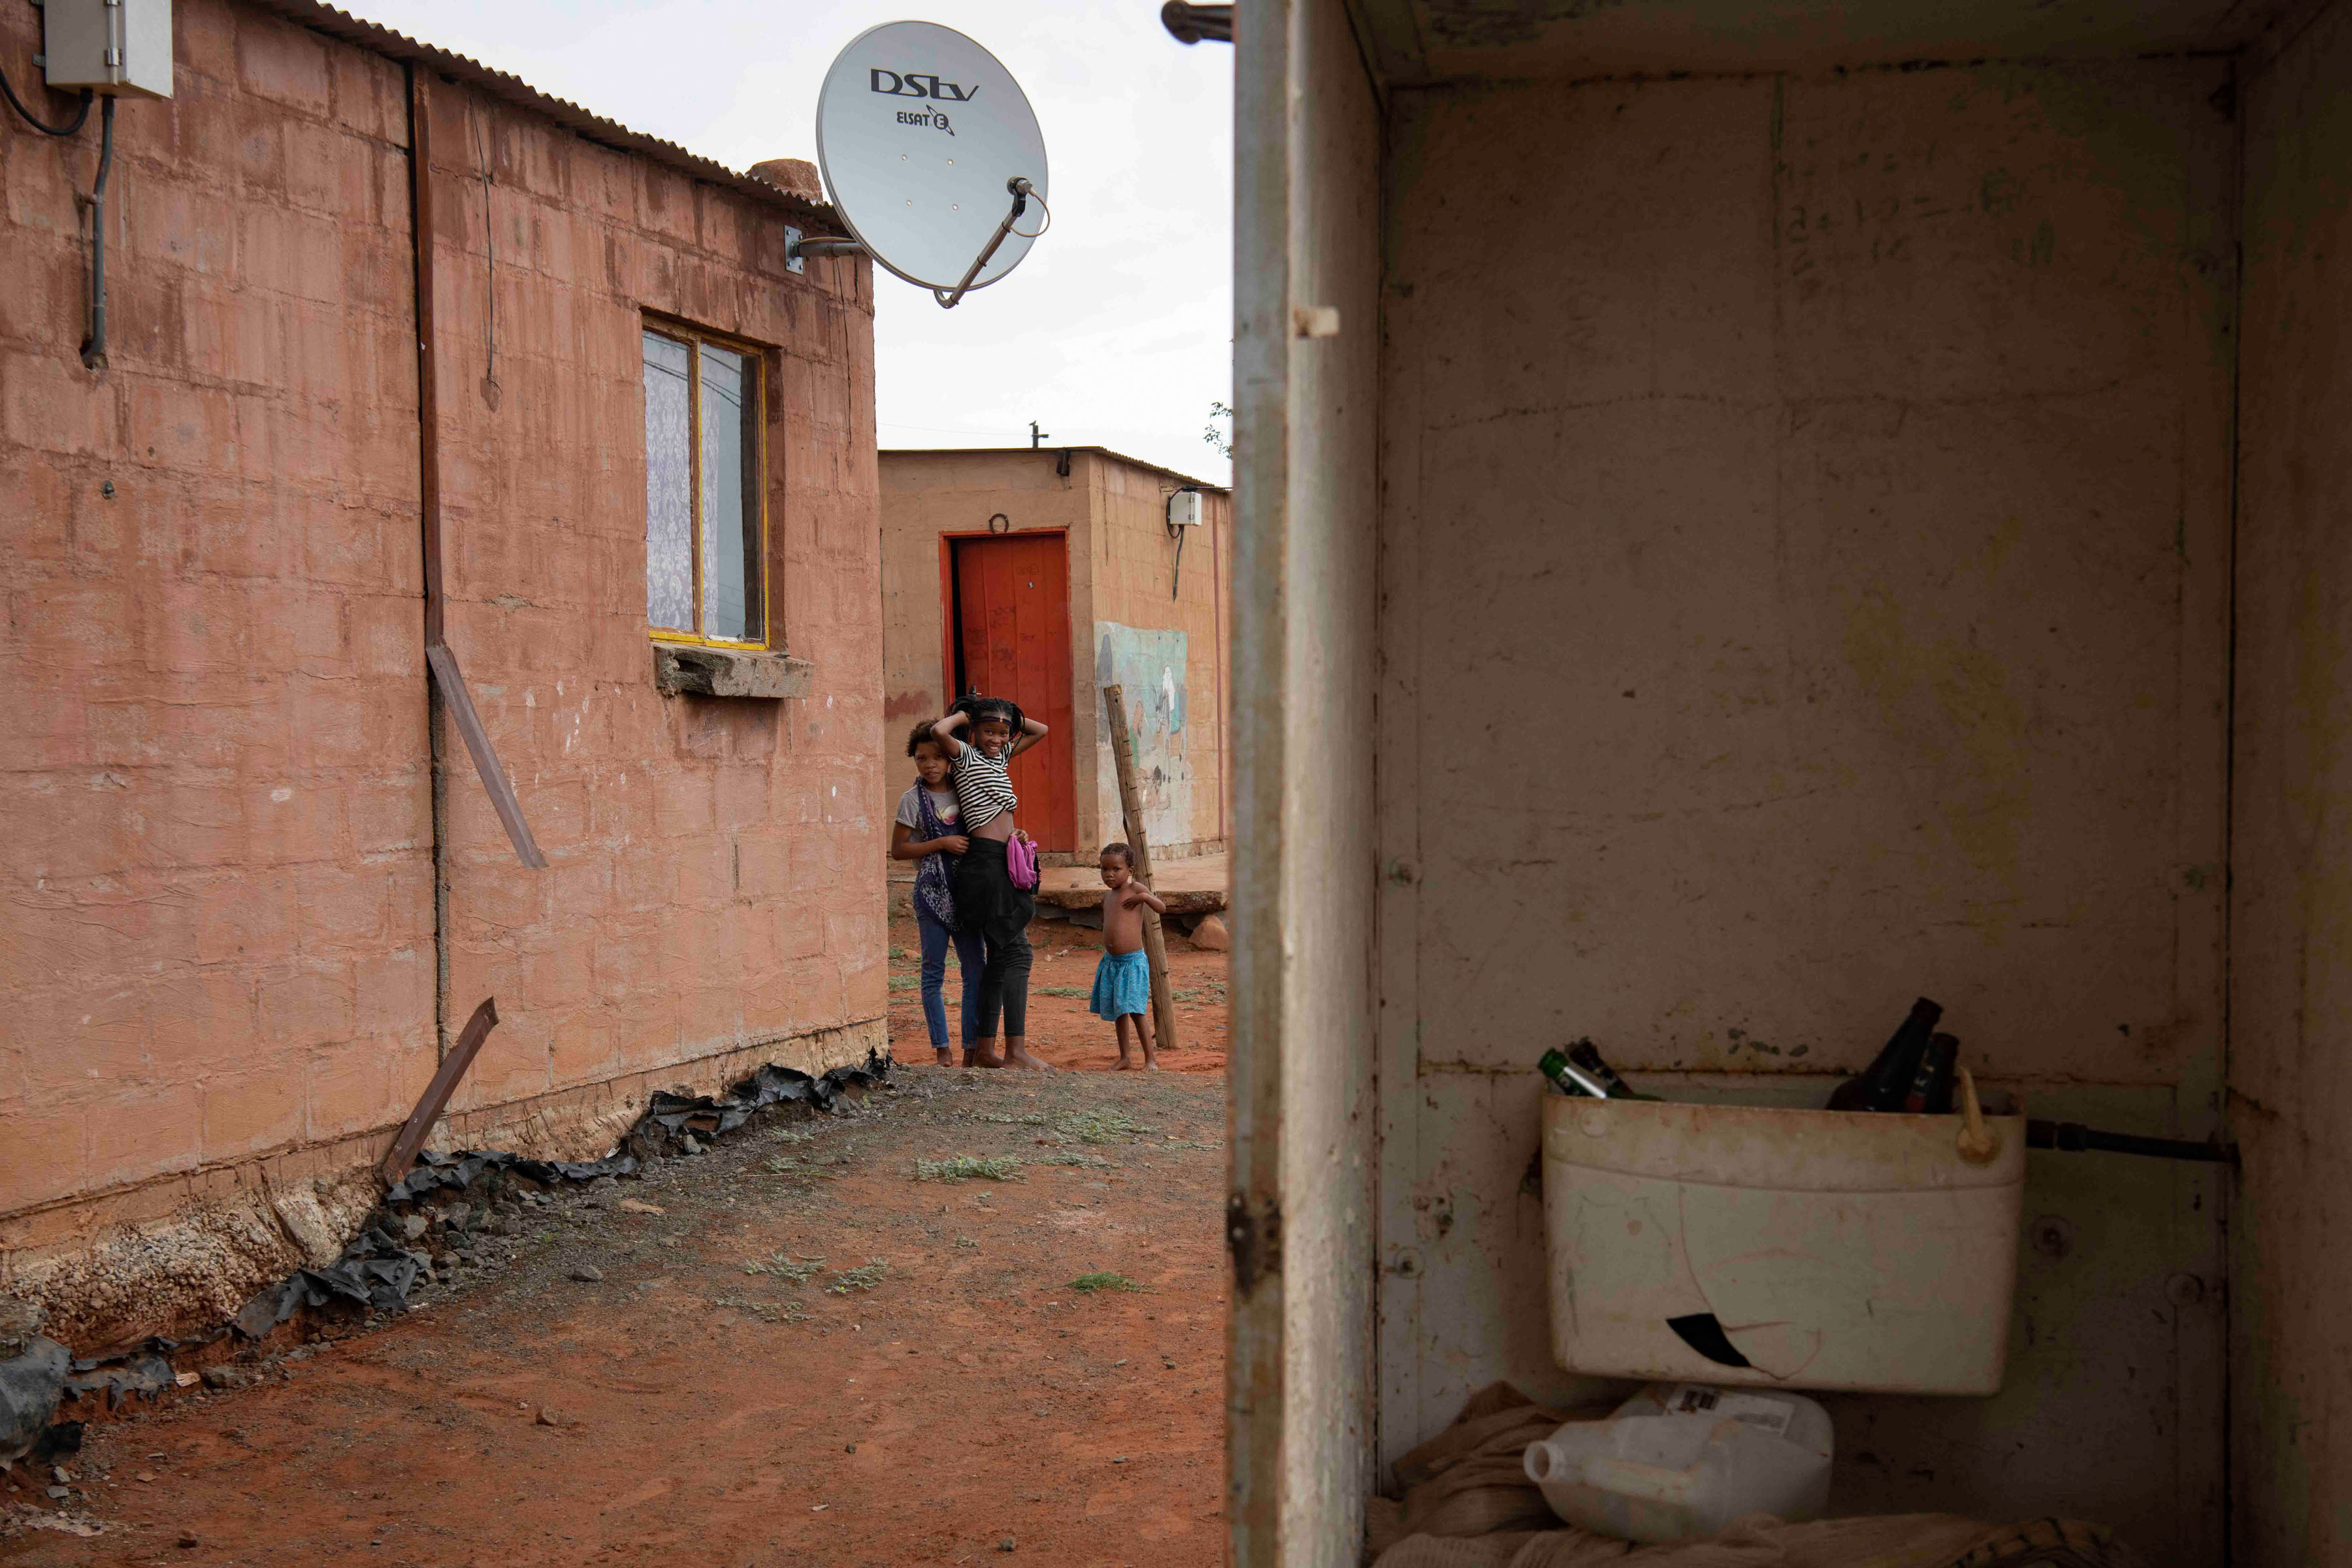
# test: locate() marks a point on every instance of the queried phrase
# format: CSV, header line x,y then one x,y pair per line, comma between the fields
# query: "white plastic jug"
x,y
1684,1459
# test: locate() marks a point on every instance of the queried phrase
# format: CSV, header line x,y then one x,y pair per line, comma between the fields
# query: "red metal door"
x,y
1011,617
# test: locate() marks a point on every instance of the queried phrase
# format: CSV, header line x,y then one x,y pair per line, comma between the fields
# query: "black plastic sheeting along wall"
x,y
380,1266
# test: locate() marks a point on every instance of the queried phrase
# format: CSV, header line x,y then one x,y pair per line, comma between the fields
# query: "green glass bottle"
x,y
1579,1071
1587,1055
1570,1079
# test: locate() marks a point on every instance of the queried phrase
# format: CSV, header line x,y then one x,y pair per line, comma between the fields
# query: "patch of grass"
x,y
1088,1284
784,1266
1026,1119
1187,1143
1061,991
783,1165
792,1311
1104,1126
966,1241
865,1276
905,981
969,1167
897,952
1071,1157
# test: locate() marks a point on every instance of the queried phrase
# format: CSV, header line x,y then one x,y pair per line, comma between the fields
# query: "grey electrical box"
x,y
121,47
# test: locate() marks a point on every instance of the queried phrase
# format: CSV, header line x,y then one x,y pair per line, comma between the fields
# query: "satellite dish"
x,y
932,155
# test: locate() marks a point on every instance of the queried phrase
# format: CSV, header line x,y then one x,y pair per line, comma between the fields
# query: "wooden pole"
x,y
437,1094
1131,805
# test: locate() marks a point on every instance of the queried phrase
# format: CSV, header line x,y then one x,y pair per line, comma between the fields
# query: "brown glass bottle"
x,y
1930,1091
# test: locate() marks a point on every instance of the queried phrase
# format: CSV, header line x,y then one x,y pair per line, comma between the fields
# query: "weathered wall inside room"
x,y
1804,569
2291,923
217,923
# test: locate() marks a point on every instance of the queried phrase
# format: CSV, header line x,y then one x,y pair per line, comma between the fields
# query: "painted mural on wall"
x,y
1149,665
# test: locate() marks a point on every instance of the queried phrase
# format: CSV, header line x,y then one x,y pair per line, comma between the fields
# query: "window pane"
x,y
731,498
669,486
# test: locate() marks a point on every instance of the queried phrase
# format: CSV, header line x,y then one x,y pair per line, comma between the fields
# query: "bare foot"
x,y
984,1055
1019,1057
1127,1063
946,1057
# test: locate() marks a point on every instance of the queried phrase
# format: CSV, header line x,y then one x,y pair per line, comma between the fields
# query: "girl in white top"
x,y
927,833
986,900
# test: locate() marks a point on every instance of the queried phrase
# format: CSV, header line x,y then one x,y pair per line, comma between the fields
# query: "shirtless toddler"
x,y
1123,978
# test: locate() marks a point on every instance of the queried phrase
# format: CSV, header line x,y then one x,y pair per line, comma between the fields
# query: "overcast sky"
x,y
1116,332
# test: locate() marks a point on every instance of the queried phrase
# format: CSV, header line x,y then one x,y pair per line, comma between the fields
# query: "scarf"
x,y
933,890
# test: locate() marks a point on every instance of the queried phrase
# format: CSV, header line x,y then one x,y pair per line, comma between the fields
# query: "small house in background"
x,y
1044,575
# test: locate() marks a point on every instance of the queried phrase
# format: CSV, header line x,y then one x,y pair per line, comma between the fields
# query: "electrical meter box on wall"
x,y
1184,508
113,46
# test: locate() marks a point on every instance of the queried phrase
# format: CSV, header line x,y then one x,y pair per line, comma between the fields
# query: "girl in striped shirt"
x,y
985,898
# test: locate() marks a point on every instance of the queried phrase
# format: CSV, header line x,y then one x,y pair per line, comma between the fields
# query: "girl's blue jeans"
x,y
971,958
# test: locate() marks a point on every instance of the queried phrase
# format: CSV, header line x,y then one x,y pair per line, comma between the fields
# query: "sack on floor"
x,y
1468,1504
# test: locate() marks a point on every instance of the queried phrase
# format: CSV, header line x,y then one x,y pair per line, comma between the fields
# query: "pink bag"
x,y
1020,861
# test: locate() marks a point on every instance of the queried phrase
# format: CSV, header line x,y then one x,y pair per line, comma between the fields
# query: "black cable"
x,y
490,246
2074,1138
43,126
93,348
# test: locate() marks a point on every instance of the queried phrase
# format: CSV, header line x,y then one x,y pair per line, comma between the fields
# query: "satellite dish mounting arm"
x,y
1021,191
796,248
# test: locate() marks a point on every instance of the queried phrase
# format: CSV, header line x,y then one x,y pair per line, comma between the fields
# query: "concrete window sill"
x,y
688,671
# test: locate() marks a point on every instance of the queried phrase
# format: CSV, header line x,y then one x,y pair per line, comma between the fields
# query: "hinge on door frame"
x,y
1254,1237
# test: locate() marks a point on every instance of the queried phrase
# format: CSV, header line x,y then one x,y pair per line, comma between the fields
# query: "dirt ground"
x,y
937,1389
1061,1030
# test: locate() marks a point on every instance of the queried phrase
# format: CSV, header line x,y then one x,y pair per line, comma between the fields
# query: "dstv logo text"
x,y
917,84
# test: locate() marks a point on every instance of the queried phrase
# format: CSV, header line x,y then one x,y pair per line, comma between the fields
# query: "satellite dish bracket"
x,y
1022,192
796,248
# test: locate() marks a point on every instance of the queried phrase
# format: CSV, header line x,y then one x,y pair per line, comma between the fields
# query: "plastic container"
x,y
1756,1246
1679,1461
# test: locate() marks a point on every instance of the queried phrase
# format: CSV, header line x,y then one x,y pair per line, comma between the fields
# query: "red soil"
x,y
1060,1029
704,1414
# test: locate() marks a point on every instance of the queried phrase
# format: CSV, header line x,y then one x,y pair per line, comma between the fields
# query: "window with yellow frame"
x,y
705,496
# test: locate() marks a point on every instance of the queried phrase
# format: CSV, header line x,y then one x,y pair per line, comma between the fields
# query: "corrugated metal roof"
x,y
594,127
1052,449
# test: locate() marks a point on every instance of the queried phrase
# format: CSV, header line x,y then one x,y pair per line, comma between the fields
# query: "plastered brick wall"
x,y
217,918
692,904
216,915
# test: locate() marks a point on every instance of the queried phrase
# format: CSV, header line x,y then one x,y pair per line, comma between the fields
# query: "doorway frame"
x,y
1082,780
948,622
